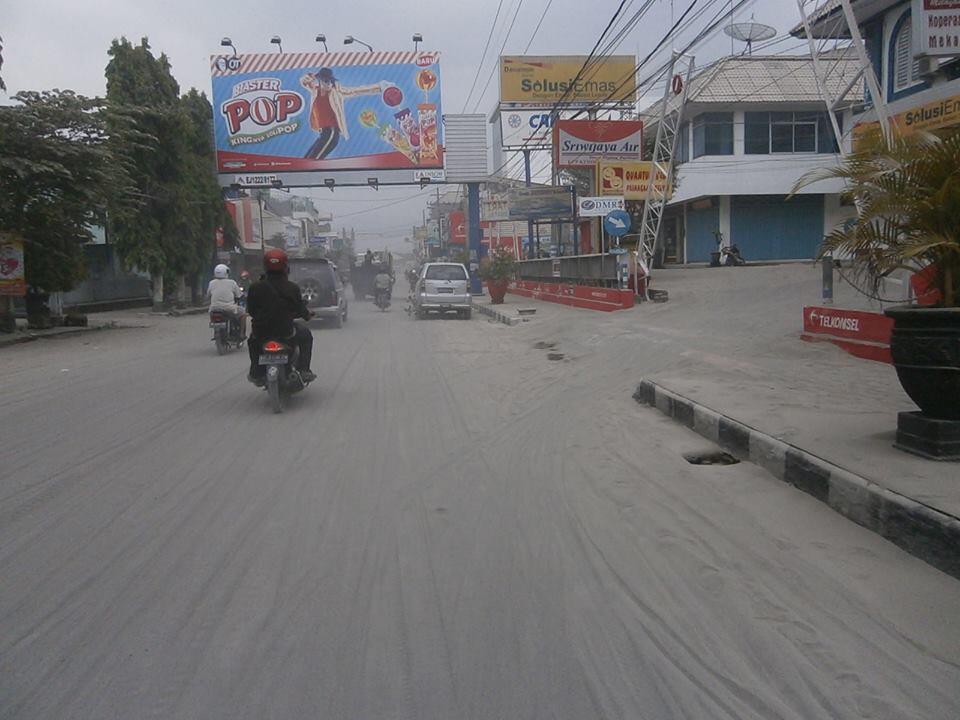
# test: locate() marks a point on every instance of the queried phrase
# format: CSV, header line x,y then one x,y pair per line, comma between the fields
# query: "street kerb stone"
x,y
922,531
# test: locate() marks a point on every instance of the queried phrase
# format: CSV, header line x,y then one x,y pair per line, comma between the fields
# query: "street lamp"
x,y
227,42
417,39
275,40
323,39
350,39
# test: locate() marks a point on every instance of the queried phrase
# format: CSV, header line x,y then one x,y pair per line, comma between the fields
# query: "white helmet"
x,y
221,271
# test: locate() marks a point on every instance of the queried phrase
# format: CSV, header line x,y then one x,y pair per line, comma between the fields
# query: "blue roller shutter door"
x,y
701,225
771,227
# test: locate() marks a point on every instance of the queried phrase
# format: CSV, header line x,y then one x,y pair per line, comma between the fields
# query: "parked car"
x,y
442,288
321,288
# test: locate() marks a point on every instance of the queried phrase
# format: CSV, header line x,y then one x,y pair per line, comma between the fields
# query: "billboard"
x,y
246,216
458,228
936,27
295,112
546,80
12,278
540,202
580,143
599,206
526,128
629,179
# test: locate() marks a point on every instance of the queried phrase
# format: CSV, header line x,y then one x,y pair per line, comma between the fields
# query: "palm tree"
x,y
907,195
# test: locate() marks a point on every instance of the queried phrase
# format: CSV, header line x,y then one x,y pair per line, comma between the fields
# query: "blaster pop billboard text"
x,y
284,112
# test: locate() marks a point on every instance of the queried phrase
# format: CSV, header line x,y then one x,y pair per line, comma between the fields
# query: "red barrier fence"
x,y
582,296
860,333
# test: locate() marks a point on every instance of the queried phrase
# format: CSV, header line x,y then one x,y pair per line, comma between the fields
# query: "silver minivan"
x,y
443,287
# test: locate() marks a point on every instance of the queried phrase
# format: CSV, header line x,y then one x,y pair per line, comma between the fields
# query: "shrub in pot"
x,y
498,269
907,194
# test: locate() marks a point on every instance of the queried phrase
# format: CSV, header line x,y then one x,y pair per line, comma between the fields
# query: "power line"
x,y
537,28
482,57
496,65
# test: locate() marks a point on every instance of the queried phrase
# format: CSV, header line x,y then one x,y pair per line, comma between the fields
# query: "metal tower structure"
x,y
664,150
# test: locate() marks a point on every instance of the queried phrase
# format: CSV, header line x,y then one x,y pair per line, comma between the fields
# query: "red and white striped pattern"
x,y
265,62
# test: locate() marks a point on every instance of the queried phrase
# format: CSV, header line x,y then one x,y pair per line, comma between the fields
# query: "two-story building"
x,y
752,127
914,59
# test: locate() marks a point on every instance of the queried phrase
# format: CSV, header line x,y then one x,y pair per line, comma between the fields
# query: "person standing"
x,y
327,115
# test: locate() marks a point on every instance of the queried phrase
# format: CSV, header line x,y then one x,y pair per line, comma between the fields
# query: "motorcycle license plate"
x,y
273,359
218,325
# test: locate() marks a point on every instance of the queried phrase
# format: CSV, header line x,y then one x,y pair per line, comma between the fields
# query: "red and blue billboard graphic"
x,y
288,112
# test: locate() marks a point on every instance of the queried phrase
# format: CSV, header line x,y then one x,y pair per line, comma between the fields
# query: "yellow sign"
x,y
931,116
533,80
12,278
629,179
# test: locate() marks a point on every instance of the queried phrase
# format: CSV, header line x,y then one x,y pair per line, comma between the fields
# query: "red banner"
x,y
863,334
458,228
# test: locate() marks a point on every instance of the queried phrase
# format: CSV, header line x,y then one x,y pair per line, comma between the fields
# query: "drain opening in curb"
x,y
712,457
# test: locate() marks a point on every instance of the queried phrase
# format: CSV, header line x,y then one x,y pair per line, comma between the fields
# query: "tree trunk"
x,y
157,280
7,321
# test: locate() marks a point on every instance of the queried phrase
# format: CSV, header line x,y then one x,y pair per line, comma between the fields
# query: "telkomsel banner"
x,y
288,112
545,80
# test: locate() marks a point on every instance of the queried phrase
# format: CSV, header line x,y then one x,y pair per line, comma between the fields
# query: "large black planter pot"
x,y
926,353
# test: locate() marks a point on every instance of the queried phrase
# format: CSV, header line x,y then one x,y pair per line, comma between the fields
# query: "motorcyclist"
x,y
383,282
225,296
273,302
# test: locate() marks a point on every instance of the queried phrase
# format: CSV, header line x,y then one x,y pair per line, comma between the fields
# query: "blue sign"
x,y
617,223
618,250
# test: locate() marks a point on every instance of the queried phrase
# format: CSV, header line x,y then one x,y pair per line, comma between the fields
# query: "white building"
x,y
753,127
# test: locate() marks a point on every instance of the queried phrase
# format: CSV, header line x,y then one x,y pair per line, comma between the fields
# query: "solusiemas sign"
x,y
546,80
581,143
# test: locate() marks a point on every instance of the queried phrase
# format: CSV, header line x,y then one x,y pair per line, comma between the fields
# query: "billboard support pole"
x,y
529,182
476,247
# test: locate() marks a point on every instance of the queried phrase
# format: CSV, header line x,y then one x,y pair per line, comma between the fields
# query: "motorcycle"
x,y
730,256
382,300
227,331
283,378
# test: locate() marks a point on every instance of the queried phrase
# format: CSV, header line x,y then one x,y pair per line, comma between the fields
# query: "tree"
x,y
148,236
907,193
57,171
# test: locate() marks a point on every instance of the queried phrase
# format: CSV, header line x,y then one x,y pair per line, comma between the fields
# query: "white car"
x,y
443,287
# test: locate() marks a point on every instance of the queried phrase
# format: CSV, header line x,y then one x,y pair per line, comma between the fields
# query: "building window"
x,y
713,134
788,132
683,143
904,69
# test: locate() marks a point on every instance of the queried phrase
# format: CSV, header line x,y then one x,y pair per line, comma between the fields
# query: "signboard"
x,y
255,180
529,129
933,115
12,278
458,228
296,112
495,208
431,175
629,179
580,143
246,217
598,206
543,201
546,80
936,27
617,223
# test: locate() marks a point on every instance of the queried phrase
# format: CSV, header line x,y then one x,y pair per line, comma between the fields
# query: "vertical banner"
x,y
13,279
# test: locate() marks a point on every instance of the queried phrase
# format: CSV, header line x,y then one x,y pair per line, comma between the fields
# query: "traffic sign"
x,y
617,250
617,223
677,84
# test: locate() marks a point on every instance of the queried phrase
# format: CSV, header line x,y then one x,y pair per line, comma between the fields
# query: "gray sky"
x,y
63,44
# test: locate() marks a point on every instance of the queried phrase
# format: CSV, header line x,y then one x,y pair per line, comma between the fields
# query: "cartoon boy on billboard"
x,y
327,116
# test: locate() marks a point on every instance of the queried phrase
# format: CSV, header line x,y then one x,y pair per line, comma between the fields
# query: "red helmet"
x,y
275,260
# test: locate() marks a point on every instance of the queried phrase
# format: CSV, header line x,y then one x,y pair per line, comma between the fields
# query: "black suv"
x,y
321,287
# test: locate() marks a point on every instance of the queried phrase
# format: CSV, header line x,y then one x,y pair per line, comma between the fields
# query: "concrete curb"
x,y
177,312
497,315
929,534
19,338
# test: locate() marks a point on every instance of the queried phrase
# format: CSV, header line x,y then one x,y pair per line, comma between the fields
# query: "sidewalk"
x,y
728,342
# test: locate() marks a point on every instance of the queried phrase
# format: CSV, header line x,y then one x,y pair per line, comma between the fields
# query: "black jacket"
x,y
273,302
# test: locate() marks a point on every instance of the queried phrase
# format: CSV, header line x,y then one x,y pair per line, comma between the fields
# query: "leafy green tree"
x,y
141,86
57,171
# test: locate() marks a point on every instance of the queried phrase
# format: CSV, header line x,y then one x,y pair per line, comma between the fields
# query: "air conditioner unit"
x,y
927,66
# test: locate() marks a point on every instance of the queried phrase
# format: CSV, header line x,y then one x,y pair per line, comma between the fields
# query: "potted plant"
x,y
498,269
907,192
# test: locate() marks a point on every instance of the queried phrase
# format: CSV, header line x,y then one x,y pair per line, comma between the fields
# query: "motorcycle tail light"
x,y
272,346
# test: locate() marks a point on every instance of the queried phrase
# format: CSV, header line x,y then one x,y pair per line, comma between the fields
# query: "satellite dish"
x,y
750,32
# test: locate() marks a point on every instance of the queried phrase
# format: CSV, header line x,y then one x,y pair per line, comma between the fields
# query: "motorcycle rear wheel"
x,y
221,342
274,381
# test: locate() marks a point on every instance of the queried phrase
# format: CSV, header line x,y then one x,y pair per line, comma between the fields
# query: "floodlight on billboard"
x,y
547,80
295,112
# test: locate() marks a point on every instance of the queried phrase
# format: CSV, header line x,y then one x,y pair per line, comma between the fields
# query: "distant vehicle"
x,y
227,332
321,288
443,288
